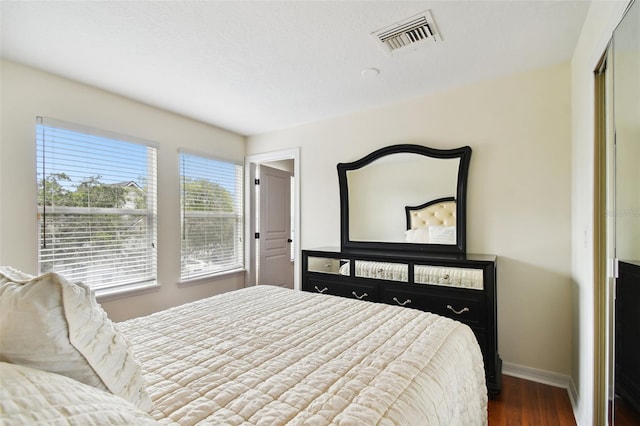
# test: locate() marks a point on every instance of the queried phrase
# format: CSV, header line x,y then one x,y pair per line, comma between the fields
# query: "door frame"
x,y
249,209
602,379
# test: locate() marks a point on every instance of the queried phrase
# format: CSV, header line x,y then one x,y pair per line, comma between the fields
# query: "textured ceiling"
x,y
254,67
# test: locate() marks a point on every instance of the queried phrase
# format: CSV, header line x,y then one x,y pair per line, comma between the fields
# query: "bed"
x,y
255,356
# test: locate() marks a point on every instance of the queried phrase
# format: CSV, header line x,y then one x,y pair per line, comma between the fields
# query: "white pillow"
x,y
442,234
420,235
51,324
29,396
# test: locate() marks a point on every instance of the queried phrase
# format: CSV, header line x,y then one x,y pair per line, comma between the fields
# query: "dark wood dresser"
x,y
627,334
458,286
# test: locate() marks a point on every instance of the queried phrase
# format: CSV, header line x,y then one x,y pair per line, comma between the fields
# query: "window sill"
x,y
209,278
108,294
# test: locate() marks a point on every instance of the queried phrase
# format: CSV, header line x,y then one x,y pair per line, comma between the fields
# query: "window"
x,y
212,216
97,205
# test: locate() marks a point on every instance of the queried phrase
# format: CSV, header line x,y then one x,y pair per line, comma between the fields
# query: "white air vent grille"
x,y
414,31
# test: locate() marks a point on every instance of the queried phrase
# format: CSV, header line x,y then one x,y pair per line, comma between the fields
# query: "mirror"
x,y
328,265
405,198
625,302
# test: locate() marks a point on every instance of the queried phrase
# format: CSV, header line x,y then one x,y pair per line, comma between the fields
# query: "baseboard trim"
x,y
544,377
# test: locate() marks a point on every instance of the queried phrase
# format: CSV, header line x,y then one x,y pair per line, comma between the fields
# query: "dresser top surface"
x,y
407,256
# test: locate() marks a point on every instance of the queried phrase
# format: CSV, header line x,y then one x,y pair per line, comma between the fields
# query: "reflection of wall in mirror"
x,y
323,264
378,195
627,126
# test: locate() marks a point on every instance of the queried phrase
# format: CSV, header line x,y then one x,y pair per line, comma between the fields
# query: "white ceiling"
x,y
253,67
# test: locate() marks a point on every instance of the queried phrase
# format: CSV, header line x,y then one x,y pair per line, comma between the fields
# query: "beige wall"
x,y
596,33
519,191
27,93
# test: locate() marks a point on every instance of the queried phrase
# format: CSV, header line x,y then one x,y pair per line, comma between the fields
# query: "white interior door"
x,y
275,266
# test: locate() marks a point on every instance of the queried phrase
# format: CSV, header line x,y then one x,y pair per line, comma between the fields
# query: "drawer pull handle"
x,y
461,311
359,297
406,302
320,291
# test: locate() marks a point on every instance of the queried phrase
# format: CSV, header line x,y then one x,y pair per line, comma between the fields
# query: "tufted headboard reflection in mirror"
x,y
405,198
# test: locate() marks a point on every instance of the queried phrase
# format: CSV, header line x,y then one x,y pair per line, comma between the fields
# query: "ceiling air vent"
x,y
413,32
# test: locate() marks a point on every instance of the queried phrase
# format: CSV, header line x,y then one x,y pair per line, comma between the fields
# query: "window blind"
x,y
96,204
212,216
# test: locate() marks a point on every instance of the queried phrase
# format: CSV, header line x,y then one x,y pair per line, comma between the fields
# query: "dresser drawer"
x,y
465,308
366,292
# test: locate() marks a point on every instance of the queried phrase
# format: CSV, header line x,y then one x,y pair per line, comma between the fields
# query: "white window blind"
x,y
212,216
96,204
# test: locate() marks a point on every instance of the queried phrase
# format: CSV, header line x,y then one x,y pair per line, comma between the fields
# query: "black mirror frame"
x,y
463,153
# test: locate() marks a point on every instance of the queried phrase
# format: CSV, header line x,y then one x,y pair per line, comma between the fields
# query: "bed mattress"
x,y
266,356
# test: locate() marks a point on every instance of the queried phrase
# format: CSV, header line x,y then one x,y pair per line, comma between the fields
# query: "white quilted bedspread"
x,y
31,397
268,356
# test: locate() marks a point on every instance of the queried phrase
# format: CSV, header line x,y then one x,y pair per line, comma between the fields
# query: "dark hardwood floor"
x,y
625,415
523,402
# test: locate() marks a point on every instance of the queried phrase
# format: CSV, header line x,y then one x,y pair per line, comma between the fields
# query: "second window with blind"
x,y
211,216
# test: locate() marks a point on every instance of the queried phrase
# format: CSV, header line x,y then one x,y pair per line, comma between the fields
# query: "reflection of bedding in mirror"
x,y
434,234
423,274
450,277
379,192
379,270
442,234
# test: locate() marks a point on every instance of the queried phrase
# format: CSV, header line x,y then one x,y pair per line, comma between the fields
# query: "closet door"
x,y
626,99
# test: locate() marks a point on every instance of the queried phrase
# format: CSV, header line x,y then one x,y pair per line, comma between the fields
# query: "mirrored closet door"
x,y
625,306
